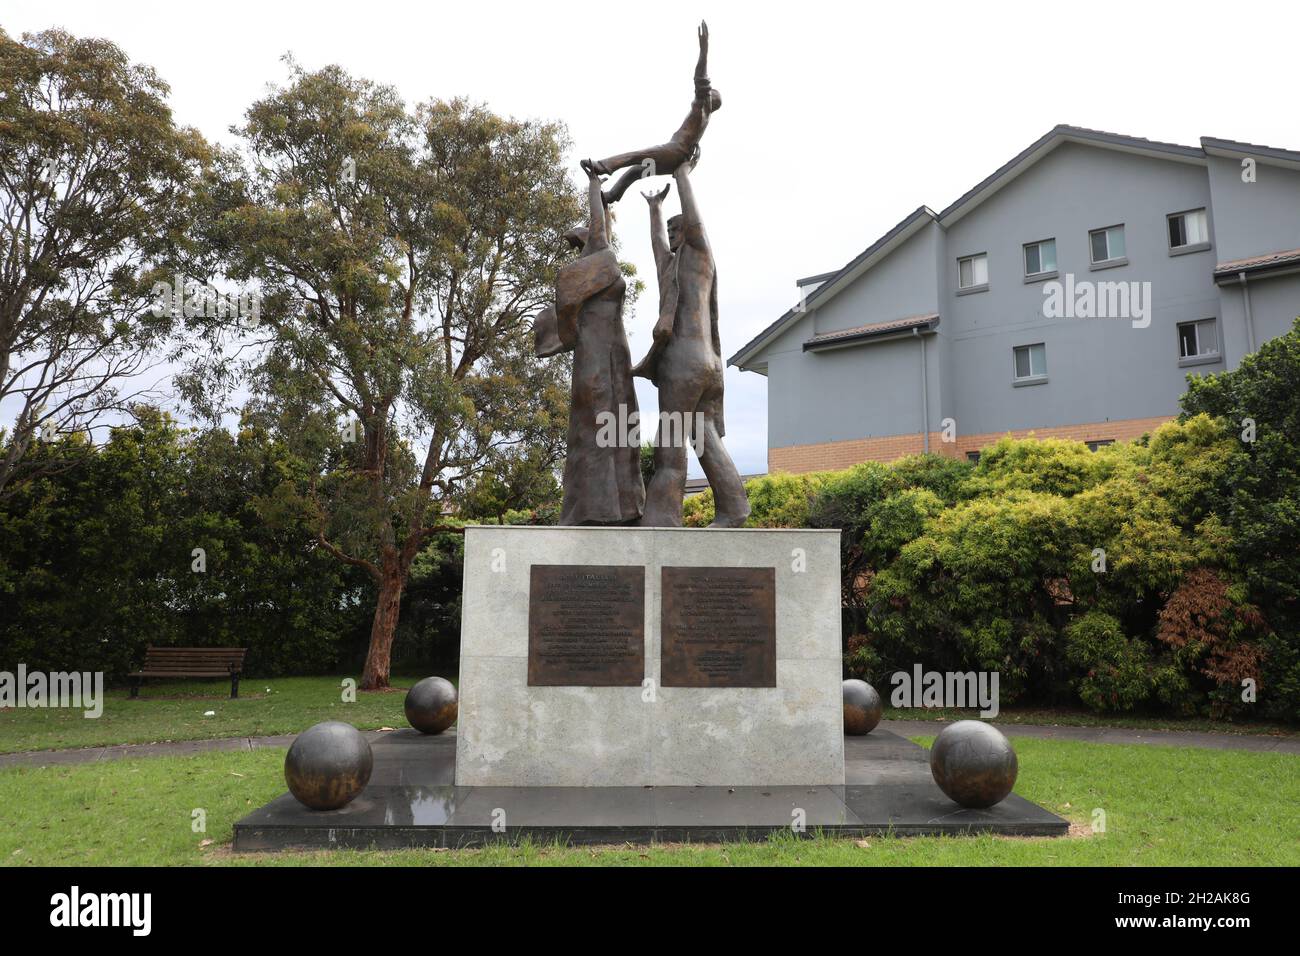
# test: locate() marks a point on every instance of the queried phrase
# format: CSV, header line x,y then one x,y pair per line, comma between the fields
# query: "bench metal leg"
x,y
135,687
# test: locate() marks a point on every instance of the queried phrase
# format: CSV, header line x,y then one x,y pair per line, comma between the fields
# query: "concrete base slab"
x,y
411,801
514,732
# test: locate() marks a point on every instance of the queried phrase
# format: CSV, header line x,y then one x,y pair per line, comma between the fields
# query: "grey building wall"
x,y
1274,305
1099,369
898,286
846,393
861,391
1254,219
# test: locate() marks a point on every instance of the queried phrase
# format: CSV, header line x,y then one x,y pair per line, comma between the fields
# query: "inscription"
x,y
586,626
719,627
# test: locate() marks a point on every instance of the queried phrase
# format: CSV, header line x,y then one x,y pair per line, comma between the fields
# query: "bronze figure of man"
x,y
685,364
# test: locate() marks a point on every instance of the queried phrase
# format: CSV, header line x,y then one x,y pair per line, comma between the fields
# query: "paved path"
x,y
905,728
1118,735
173,748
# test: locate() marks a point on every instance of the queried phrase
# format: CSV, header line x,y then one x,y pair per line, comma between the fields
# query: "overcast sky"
x,y
838,118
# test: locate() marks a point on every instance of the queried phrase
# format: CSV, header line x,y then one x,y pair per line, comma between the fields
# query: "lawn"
x,y
1066,717
280,705
1164,806
288,705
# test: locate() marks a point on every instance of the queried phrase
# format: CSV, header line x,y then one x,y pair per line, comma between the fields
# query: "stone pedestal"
x,y
753,666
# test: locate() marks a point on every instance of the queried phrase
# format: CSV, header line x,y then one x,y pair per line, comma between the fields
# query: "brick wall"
x,y
832,456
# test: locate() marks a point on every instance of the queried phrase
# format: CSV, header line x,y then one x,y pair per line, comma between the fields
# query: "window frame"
x,y
1112,261
977,286
1200,358
1189,247
1032,378
1043,274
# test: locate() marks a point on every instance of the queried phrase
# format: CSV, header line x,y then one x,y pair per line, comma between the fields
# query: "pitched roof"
x,y
875,329
1048,142
1234,149
1272,260
966,203
859,263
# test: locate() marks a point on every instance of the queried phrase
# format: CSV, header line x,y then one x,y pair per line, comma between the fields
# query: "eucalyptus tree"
x,y
400,254
95,188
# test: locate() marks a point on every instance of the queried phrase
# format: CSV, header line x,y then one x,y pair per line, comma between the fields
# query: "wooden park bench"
x,y
172,662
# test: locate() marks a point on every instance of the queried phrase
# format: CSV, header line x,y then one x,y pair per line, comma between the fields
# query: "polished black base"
x,y
411,801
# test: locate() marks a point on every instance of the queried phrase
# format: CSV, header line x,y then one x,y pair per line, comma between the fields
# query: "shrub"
x,y
781,500
1051,465
1258,499
1117,669
1214,632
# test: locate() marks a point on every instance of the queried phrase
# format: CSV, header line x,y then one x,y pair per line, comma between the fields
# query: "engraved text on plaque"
x,y
586,626
718,627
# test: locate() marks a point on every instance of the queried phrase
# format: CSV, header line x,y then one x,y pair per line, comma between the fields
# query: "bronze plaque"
x,y
586,626
719,627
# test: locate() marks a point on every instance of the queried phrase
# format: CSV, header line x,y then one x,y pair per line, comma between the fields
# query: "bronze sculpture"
x,y
432,705
602,481
862,707
602,484
685,364
973,764
682,147
328,765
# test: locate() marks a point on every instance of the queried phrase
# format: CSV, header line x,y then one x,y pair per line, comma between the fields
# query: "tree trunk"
x,y
384,627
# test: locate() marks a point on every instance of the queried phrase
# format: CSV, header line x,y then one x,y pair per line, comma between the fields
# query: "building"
x,y
697,486
955,328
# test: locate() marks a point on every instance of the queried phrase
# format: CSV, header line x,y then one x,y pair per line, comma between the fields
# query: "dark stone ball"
x,y
862,707
973,763
328,765
431,705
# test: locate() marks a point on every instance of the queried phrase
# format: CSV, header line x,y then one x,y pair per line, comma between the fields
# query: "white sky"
x,y
838,118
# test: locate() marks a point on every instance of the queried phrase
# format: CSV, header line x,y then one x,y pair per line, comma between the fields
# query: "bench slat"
x,y
191,661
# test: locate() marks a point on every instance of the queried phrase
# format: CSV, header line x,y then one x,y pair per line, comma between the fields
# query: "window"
x,y
1188,229
1099,443
1040,258
973,456
973,272
1198,339
1107,244
1031,363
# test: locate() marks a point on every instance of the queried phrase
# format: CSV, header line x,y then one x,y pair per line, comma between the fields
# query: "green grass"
x,y
1064,717
287,705
281,705
1164,806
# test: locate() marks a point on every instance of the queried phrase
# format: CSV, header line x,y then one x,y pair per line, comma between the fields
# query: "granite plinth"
x,y
412,801
514,733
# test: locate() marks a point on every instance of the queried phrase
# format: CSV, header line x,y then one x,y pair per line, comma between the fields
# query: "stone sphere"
x,y
431,705
328,765
862,707
973,763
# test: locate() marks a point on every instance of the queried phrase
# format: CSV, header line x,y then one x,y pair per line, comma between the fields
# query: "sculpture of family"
x,y
602,479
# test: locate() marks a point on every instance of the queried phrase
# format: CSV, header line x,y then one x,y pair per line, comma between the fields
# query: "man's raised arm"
x,y
658,231
702,64
692,225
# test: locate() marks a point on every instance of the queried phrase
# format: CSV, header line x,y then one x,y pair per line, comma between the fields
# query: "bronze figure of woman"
x,y
602,478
